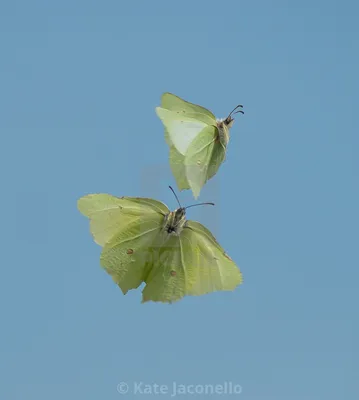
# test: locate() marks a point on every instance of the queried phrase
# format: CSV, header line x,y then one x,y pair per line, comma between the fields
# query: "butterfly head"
x,y
175,221
228,122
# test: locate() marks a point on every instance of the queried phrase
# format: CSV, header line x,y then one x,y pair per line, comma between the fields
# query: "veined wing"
x,y
217,158
172,102
214,269
177,164
108,213
129,255
203,153
192,263
170,278
153,205
181,128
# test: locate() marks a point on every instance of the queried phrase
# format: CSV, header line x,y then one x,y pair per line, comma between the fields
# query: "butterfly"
x,y
197,140
144,242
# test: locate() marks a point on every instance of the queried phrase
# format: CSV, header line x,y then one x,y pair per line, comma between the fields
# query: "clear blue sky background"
x,y
79,82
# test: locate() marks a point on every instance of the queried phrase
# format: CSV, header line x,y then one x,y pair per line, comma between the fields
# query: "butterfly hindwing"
x,y
199,158
177,165
215,270
166,282
128,257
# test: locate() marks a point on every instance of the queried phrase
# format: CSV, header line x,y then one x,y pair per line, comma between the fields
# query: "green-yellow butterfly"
x,y
143,241
197,140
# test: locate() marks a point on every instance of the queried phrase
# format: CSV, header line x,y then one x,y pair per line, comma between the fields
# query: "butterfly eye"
x,y
173,273
129,251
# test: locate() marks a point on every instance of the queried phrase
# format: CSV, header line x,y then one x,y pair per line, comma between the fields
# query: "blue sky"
x,y
79,84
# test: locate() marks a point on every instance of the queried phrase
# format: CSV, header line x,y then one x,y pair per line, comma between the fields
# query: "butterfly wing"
x,y
217,158
214,270
170,278
177,164
172,102
108,213
128,228
182,130
178,167
192,263
183,120
128,256
204,156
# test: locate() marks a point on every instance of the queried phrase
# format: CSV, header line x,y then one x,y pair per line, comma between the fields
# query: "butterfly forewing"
x,y
182,129
174,103
107,213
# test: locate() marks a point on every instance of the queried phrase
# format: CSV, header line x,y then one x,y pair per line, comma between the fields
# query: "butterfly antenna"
x,y
175,196
239,111
235,108
200,204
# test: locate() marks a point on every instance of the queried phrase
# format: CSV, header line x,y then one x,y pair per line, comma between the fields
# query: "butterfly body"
x,y
175,221
223,126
